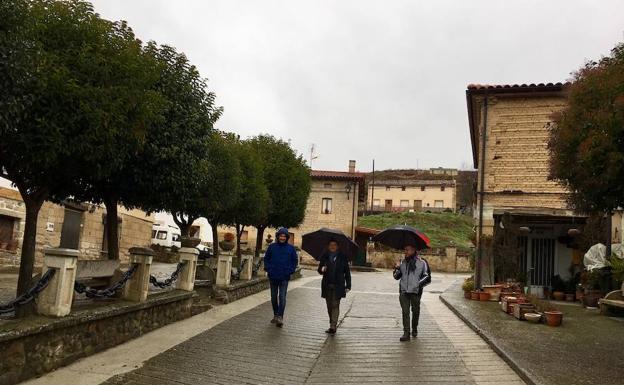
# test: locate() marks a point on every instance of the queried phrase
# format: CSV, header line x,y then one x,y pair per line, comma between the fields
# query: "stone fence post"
x,y
224,270
247,271
56,299
137,287
451,255
186,279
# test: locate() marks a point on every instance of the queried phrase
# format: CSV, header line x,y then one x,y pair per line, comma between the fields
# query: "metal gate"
x,y
542,261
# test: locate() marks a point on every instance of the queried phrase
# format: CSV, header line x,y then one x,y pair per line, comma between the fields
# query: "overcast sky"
x,y
371,79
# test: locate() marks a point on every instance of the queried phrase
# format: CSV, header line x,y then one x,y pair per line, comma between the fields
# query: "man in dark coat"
x,y
280,261
336,282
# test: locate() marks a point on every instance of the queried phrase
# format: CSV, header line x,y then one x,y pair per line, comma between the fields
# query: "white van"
x,y
166,235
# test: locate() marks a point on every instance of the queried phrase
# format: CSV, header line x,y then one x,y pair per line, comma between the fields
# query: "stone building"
x,y
333,203
509,133
412,195
72,225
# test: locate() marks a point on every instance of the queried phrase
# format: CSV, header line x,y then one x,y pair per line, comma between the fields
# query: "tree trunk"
x,y
183,224
112,227
215,238
29,242
609,235
259,239
239,233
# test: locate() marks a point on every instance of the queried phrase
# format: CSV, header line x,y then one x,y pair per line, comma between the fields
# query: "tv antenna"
x,y
312,154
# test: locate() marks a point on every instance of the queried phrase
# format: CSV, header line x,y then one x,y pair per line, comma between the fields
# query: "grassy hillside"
x,y
441,228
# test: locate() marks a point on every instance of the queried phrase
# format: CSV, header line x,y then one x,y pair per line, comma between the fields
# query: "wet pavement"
x,y
585,350
246,349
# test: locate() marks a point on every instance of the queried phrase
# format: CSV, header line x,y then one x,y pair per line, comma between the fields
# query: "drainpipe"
x,y
481,193
353,212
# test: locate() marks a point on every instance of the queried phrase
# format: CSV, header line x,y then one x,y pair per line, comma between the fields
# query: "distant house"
x,y
509,132
433,195
72,225
333,202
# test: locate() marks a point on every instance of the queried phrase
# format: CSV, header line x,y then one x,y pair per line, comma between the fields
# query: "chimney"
x,y
351,166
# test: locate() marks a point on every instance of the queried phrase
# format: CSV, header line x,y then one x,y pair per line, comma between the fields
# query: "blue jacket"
x,y
280,259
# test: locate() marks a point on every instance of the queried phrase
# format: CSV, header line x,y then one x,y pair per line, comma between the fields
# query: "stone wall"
x,y
135,229
34,347
443,260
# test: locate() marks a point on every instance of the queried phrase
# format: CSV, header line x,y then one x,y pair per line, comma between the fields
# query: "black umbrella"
x,y
315,243
400,236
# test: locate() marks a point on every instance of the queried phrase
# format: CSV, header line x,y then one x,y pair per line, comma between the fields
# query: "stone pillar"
x,y
451,257
224,270
186,279
137,287
56,299
247,269
261,272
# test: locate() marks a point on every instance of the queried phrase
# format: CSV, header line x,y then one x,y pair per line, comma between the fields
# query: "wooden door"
x,y
417,205
70,233
388,204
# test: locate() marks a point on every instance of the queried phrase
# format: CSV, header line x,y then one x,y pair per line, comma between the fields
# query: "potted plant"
x,y
467,287
484,296
592,288
554,317
474,295
227,244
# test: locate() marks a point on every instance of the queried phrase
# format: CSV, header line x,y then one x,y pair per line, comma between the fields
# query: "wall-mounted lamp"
x,y
348,190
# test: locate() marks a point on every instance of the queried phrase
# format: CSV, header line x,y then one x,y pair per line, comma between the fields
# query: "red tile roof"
x,y
336,174
519,87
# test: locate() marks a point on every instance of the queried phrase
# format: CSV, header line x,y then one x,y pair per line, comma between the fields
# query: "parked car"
x,y
166,235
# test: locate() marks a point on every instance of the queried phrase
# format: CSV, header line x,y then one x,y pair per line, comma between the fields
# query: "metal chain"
x,y
108,292
30,294
169,281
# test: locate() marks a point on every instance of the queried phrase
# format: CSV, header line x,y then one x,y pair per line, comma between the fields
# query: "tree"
x,y
172,170
252,199
287,178
587,138
47,50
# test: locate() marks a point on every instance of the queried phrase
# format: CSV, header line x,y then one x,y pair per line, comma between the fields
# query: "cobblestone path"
x,y
246,349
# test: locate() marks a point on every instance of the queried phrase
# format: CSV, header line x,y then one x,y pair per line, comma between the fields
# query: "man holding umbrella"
x,y
413,272
332,248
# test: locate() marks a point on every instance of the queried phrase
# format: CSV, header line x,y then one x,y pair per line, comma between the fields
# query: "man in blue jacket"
x,y
280,261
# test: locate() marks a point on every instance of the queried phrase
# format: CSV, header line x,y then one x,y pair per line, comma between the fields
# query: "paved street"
x,y
247,349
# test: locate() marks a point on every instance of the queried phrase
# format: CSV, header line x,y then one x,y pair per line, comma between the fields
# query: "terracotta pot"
x,y
467,294
559,295
474,295
569,297
484,296
591,299
553,318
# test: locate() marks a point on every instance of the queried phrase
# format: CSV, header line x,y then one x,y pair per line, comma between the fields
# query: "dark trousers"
x,y
408,300
333,307
278,296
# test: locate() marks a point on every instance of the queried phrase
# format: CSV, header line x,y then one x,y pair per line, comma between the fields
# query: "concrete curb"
x,y
526,376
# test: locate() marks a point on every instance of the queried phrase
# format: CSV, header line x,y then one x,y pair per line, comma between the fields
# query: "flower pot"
x,y
484,296
591,299
190,242
467,294
533,317
226,245
569,297
553,318
559,295
474,295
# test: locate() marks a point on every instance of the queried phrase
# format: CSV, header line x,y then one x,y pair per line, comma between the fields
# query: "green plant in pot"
x,y
227,244
559,287
593,290
468,286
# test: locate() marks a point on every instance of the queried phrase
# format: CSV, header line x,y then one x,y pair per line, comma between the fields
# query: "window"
x,y
326,207
402,188
442,188
422,188
6,230
291,238
387,188
404,203
327,185
244,236
175,237
161,235
376,202
153,233
438,203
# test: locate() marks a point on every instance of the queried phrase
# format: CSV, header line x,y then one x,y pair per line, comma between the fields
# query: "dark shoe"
x,y
330,331
405,337
415,333
279,322
274,320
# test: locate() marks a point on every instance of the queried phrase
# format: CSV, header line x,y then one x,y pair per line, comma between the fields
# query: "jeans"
x,y
278,296
408,300
333,307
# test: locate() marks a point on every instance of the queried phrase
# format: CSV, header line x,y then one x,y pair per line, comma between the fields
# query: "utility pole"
x,y
373,187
